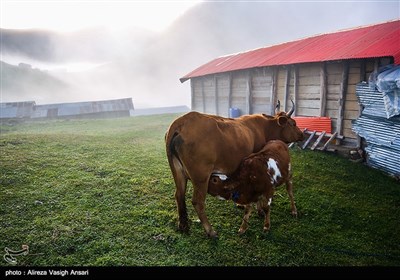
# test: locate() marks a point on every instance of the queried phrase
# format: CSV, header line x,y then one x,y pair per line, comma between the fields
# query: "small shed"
x,y
90,109
318,73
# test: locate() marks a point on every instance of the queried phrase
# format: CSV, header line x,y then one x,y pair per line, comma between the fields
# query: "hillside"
x,y
20,83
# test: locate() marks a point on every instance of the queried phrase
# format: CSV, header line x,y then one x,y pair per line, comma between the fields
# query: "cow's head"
x,y
288,130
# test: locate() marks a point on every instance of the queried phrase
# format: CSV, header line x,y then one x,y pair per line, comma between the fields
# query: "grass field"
x,y
100,193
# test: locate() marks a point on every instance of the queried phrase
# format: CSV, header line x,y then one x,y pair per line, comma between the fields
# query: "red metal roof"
x,y
380,40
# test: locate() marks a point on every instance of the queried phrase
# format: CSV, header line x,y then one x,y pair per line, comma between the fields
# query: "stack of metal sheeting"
x,y
381,134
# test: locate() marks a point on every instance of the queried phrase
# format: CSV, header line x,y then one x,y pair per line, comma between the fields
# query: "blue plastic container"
x,y
234,112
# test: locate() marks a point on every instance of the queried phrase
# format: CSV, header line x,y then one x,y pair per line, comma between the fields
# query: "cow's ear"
x,y
282,120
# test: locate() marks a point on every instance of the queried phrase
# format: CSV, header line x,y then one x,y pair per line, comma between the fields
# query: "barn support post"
x,y
192,94
296,87
216,94
376,64
287,89
323,90
363,71
203,94
248,95
229,91
273,90
342,97
363,77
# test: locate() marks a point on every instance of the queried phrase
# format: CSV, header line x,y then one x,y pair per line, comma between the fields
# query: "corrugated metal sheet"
x,y
380,40
318,124
382,134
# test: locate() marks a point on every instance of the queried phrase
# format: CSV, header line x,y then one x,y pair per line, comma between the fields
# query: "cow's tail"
x,y
172,141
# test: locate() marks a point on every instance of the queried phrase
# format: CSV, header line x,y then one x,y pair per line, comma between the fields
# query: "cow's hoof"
x,y
294,214
183,227
242,231
212,234
240,206
266,229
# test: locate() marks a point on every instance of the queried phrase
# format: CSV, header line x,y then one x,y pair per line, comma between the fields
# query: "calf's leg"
x,y
245,221
266,205
289,189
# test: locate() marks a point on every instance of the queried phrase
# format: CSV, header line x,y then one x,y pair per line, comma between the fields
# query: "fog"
x,y
105,63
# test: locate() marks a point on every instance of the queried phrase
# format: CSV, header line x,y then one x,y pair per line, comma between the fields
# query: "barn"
x,y
319,74
89,109
75,110
16,110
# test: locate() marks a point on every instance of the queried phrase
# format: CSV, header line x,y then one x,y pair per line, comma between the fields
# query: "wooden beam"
x,y
363,70
329,140
306,131
363,77
273,90
248,95
309,139
216,94
287,89
376,64
323,90
342,96
296,87
318,140
229,91
203,95
192,94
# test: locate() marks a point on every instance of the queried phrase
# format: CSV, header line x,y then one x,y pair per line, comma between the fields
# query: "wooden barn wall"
x,y
222,94
209,94
240,91
308,96
197,94
261,87
318,89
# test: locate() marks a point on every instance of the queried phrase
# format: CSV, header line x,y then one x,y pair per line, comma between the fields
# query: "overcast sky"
x,y
70,15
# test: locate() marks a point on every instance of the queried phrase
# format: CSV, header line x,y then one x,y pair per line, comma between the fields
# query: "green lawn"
x,y
100,193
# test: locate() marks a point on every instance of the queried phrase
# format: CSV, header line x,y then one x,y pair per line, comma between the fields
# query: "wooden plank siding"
x,y
261,83
318,89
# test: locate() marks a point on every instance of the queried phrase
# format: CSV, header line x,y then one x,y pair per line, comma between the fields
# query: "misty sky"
x,y
62,15
174,37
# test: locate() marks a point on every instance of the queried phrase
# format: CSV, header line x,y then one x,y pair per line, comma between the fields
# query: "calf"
x,y
255,180
198,145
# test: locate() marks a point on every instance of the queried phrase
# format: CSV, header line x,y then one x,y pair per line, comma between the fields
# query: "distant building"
x,y
91,109
17,110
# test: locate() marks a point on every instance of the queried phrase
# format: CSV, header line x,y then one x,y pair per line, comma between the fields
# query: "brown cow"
x,y
198,145
256,180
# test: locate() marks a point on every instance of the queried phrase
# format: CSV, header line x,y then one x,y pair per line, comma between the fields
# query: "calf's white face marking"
x,y
272,165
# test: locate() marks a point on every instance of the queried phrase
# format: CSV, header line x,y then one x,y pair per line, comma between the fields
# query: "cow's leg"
x,y
289,189
245,223
180,194
198,201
